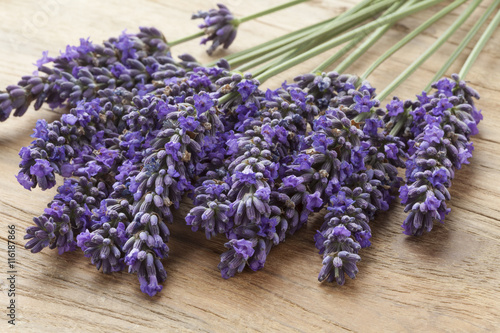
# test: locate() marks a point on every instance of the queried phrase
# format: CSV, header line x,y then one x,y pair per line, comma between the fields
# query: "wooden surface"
x,y
445,281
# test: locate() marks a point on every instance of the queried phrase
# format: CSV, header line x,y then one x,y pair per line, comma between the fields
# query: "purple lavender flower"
x,y
41,168
346,228
211,209
263,193
103,247
391,150
395,108
339,202
246,88
202,103
314,201
247,176
219,25
81,71
445,86
44,59
168,169
441,145
243,248
357,192
256,155
66,216
293,181
236,258
363,104
189,123
132,151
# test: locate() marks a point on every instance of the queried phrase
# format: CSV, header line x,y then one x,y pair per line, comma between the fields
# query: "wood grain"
x,y
445,281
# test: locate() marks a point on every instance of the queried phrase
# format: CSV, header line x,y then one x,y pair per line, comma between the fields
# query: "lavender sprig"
x,y
67,147
81,71
444,125
220,26
346,228
257,155
66,216
168,168
104,244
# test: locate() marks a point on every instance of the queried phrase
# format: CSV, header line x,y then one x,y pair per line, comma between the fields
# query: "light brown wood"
x,y
445,281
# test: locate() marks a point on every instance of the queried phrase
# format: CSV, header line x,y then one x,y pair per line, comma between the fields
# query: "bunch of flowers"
x,y
143,130
81,71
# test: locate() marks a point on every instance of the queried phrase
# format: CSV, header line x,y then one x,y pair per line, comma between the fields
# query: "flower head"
x,y
219,26
243,247
363,104
41,168
292,181
314,201
395,107
188,123
202,102
391,150
246,88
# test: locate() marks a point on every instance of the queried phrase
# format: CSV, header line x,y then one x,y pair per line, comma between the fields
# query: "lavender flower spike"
x,y
81,71
443,128
219,25
168,168
66,216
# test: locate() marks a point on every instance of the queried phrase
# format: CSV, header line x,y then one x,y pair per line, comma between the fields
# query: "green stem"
x,y
399,124
440,41
359,6
237,22
258,50
342,51
249,54
338,54
265,67
336,26
285,38
347,36
370,40
226,98
187,38
479,46
463,44
318,41
410,36
291,46
268,11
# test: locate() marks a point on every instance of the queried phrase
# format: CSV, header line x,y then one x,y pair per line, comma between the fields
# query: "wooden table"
x,y
445,281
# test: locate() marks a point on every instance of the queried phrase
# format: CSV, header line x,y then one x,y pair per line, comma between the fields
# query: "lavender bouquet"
x,y
144,130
